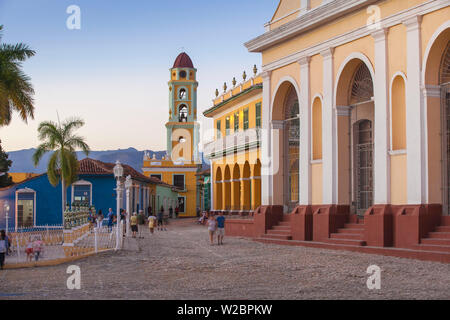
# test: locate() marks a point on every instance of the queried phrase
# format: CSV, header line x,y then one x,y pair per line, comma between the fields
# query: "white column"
x,y
266,143
381,130
415,116
305,5
211,179
128,203
305,132
329,132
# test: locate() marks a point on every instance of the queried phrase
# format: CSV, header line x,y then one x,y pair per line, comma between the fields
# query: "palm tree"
x,y
16,91
61,140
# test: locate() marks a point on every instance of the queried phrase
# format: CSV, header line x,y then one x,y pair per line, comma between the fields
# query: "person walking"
x,y
211,229
37,248
151,223
171,212
99,219
110,219
134,224
220,228
160,219
177,212
2,248
29,250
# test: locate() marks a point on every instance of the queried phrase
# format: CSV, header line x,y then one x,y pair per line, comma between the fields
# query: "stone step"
x,y
350,236
284,223
279,232
277,237
350,242
282,228
439,235
354,225
429,247
435,241
443,229
350,230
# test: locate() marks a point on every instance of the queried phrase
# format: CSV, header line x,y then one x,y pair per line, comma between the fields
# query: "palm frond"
x,y
76,142
70,125
41,150
52,169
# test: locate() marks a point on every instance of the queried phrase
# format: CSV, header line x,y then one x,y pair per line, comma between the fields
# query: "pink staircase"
x,y
282,231
439,240
352,234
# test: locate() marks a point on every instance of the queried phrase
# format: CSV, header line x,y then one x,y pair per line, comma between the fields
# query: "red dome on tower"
x,y
183,61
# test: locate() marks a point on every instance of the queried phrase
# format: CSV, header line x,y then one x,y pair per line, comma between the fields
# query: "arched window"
x,y
183,113
317,128
362,87
182,94
398,114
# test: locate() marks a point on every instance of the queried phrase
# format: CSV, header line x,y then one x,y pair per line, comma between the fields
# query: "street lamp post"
x,y
6,207
118,174
128,185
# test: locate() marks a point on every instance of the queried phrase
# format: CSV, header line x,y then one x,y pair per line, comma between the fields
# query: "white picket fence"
x,y
90,240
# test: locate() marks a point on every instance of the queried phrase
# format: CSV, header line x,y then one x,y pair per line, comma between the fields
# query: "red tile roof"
x,y
183,61
96,167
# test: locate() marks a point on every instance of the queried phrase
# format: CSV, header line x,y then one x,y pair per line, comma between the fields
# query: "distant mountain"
x,y
22,159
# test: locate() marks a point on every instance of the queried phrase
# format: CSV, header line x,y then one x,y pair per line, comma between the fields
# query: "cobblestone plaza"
x,y
181,264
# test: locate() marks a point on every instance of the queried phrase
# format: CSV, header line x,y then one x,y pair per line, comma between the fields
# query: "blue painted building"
x,y
36,203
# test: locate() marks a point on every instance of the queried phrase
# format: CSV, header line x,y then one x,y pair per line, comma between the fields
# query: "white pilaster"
x,y
211,179
329,133
305,5
266,143
305,132
381,129
415,115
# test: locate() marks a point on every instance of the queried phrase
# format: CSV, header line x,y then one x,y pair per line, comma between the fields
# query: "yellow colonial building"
x,y
180,165
358,92
235,151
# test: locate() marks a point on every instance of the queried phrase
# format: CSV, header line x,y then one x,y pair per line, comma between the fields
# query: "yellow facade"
x,y
234,153
180,165
369,83
21,176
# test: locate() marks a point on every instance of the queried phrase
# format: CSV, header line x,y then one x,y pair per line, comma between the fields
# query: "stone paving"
x,y
181,264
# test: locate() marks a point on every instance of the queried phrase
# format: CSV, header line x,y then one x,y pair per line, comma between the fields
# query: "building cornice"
x,y
305,22
395,19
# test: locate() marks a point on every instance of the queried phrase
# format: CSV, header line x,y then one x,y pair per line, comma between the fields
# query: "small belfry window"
x,y
183,113
258,115
182,94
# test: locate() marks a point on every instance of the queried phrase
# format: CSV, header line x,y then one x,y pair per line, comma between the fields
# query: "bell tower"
x,y
182,127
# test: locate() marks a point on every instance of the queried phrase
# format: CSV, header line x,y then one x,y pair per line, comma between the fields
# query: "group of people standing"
x,y
216,226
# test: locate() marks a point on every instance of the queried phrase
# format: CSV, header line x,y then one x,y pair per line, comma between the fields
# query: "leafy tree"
x,y
63,142
16,91
5,164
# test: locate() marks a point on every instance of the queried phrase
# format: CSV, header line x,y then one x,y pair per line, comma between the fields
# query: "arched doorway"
x,y
355,136
286,125
218,194
292,149
236,189
227,189
436,79
444,80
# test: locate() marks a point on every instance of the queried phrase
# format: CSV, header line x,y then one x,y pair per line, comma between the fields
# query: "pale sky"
x,y
113,72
